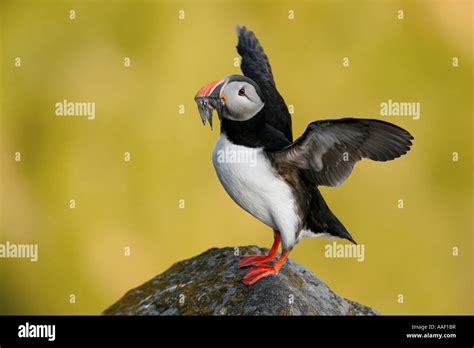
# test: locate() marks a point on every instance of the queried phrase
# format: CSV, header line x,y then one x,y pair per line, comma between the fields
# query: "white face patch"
x,y
241,101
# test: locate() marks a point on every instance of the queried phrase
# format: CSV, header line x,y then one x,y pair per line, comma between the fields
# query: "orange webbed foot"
x,y
258,272
252,260
262,270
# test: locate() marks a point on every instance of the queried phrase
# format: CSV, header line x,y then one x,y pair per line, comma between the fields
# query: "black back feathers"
x,y
256,66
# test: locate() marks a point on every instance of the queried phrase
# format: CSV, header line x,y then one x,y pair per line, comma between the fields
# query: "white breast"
x,y
248,177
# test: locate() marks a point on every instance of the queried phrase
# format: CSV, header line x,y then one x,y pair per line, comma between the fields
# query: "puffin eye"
x,y
242,91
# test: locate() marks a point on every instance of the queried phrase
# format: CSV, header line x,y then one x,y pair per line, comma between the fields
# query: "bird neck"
x,y
245,133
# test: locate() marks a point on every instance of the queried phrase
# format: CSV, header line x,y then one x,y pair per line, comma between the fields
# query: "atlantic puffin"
x,y
274,178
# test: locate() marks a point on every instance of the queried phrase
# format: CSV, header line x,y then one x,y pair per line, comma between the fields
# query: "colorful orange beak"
x,y
208,99
207,90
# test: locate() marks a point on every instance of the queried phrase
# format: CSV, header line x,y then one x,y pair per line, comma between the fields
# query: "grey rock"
x,y
211,284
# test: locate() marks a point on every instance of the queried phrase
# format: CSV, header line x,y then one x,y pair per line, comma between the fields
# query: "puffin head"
x,y
236,98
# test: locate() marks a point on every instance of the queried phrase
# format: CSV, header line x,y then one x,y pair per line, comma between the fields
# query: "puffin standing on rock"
x,y
273,177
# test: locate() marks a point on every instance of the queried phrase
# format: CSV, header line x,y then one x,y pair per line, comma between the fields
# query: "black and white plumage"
x,y
255,65
278,183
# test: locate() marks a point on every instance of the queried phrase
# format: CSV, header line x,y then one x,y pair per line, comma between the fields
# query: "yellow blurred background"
x,y
136,204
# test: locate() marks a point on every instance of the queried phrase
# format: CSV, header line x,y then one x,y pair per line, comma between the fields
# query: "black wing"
x,y
328,150
256,66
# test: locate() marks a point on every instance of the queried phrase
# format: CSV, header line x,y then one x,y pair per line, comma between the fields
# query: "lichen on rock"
x,y
211,284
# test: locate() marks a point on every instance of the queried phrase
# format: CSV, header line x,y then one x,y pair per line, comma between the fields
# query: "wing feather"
x,y
328,150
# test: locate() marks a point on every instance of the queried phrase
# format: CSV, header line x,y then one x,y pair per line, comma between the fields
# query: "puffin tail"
x,y
344,233
334,226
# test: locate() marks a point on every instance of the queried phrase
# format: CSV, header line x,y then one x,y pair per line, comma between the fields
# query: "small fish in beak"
x,y
208,99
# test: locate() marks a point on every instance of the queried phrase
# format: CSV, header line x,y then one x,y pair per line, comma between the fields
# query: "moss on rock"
x,y
211,284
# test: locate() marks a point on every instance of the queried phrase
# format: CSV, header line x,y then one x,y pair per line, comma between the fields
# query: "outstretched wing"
x,y
256,66
328,150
